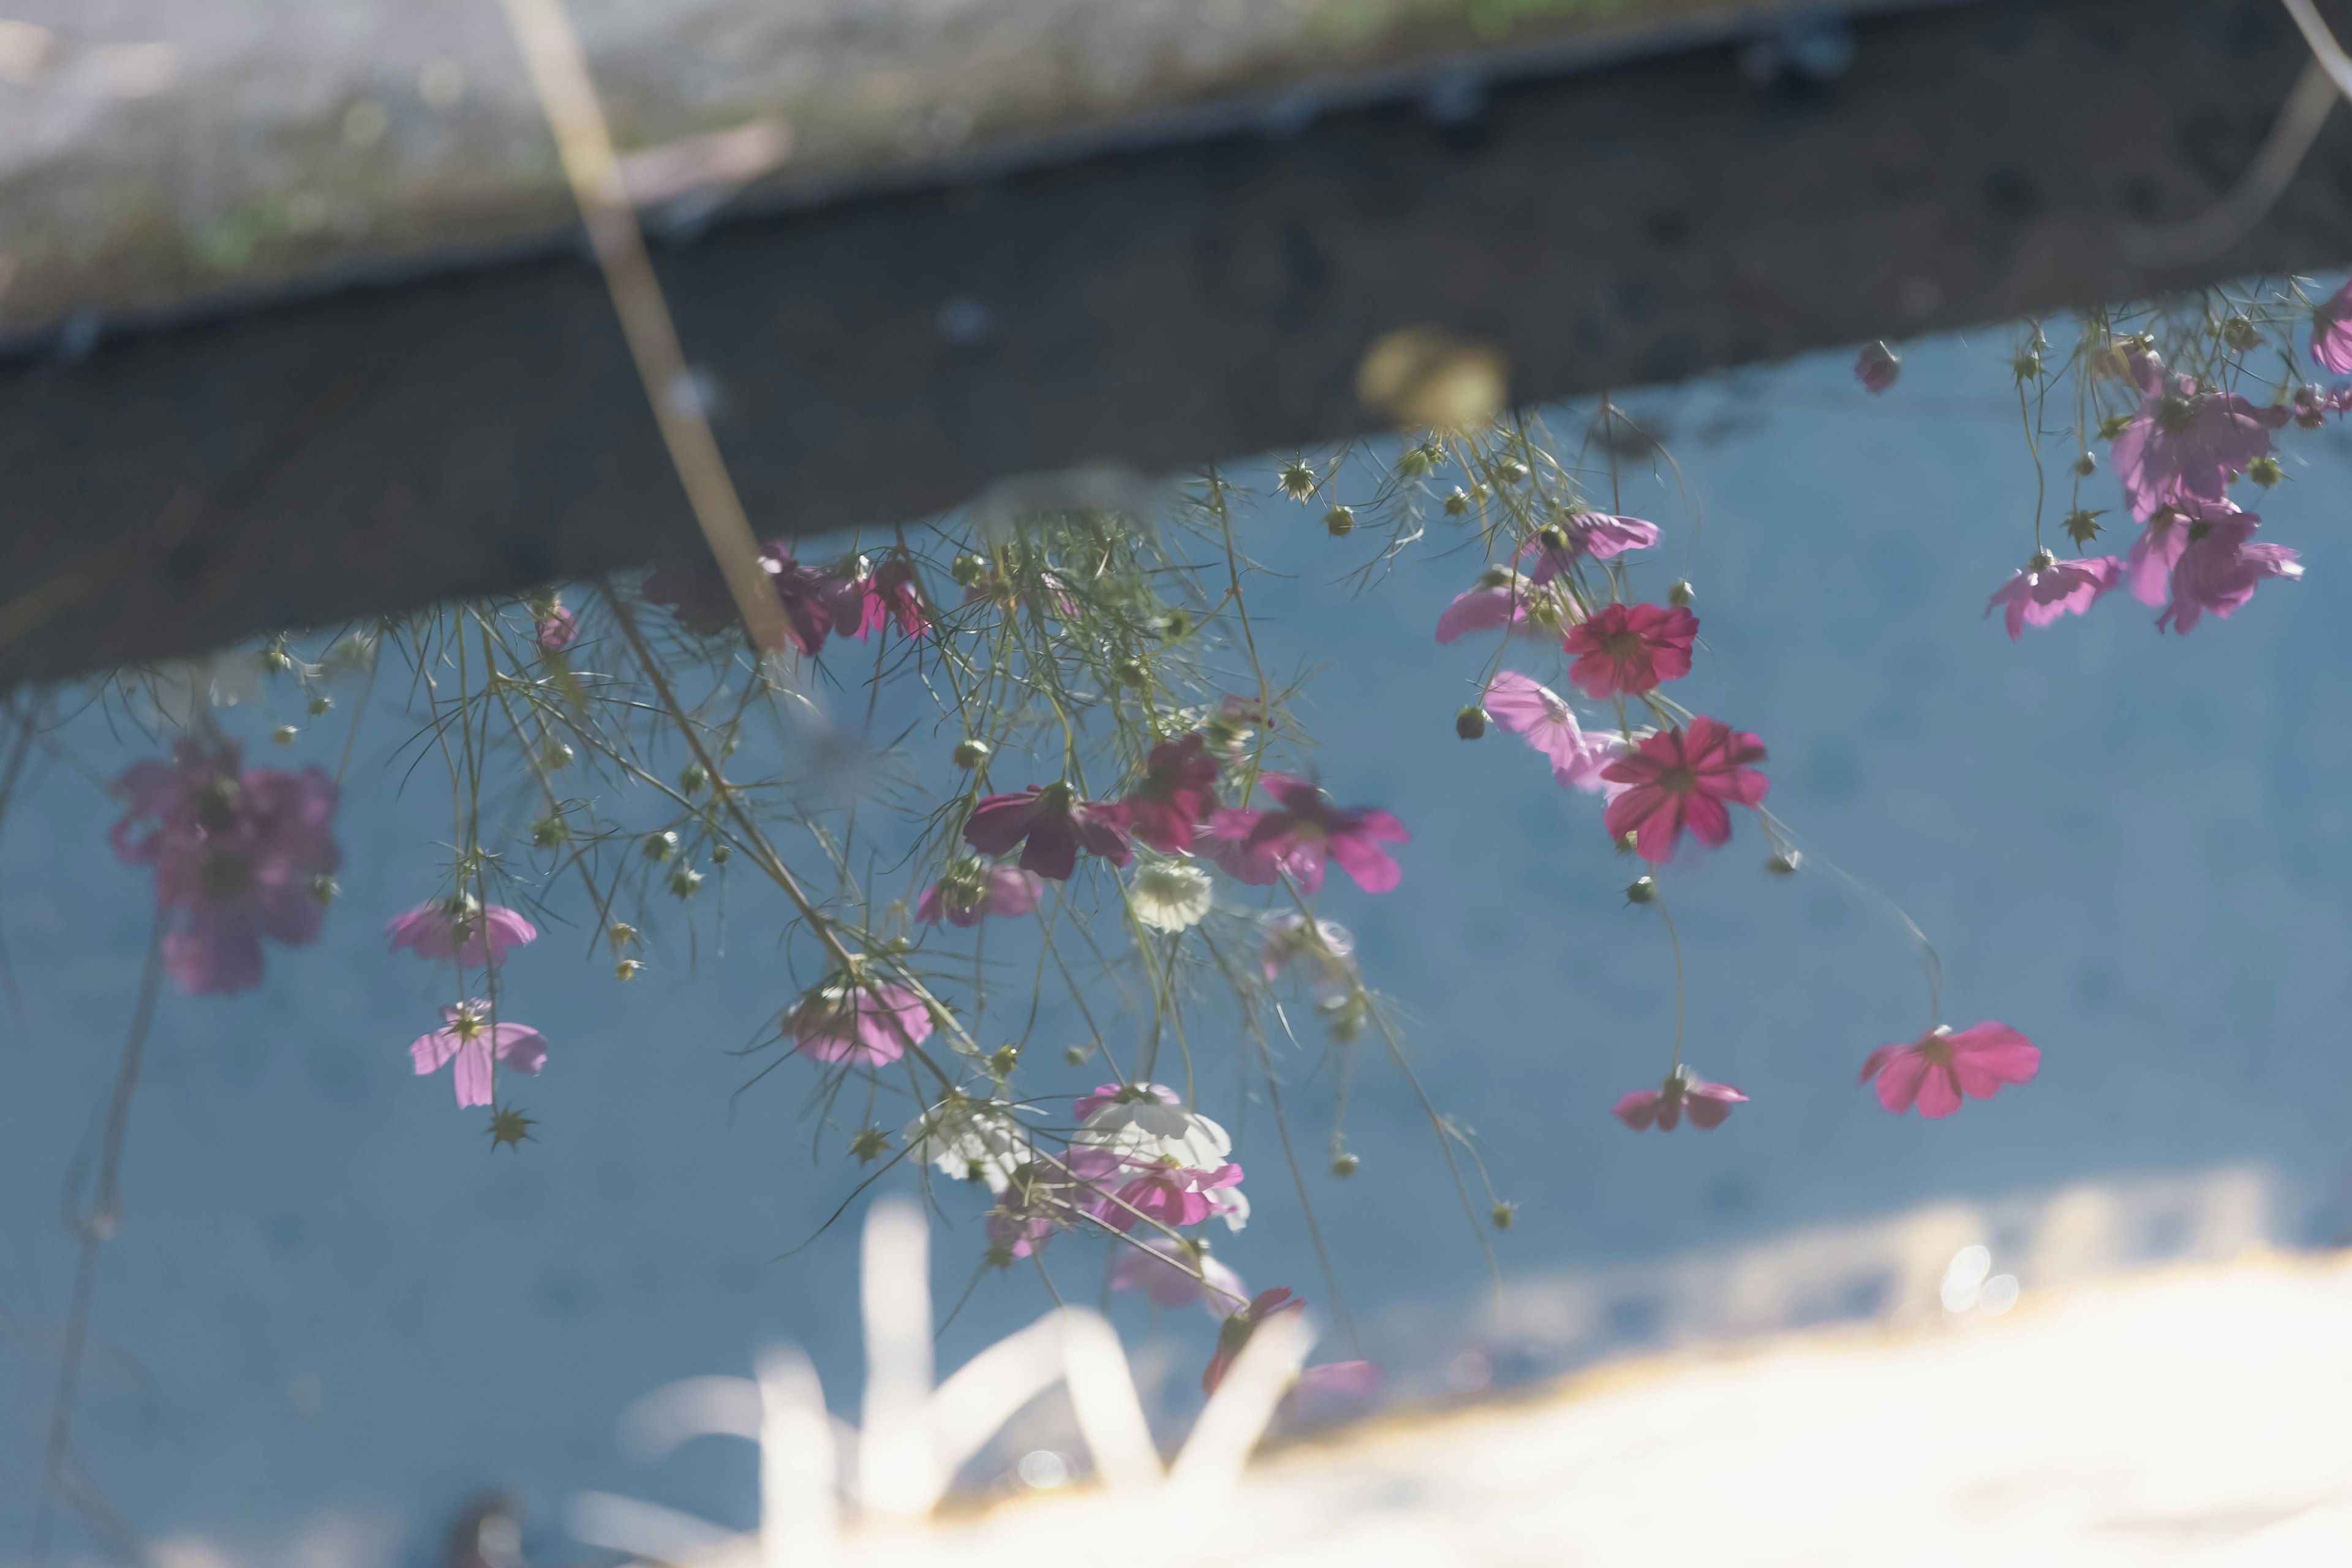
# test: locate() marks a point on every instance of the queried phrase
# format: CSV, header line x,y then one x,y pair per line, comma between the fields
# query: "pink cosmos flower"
x,y
869,1022
2048,588
1680,778
1305,826
1501,598
1178,794
2183,445
1594,533
1235,1330
238,855
971,892
1051,825
467,1034
1630,648
2218,568
1175,1196
893,591
818,602
462,928
1224,839
1178,1274
2331,333
2148,568
1877,367
556,629
1534,712
1708,1103
1935,1069
1046,1196
1335,1383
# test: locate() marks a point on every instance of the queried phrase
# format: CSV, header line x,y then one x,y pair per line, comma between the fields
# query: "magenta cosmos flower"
x,y
1535,712
2331,331
1662,1106
1178,1274
893,592
2183,445
1877,368
1051,825
1938,1067
1225,840
869,1022
1501,598
2218,568
556,629
1178,794
1681,778
460,928
238,855
971,892
1175,1196
467,1037
1630,648
2048,588
1305,826
1597,535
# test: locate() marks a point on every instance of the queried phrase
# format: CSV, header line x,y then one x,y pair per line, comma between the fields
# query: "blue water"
x,y
330,1295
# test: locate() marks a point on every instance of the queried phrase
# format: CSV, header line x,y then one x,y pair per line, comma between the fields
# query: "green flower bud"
x,y
1345,1165
2242,334
1511,471
968,570
2086,465
550,831
1077,1056
1457,501
720,854
2265,471
628,968
1470,722
1681,595
692,778
1785,863
284,735
686,881
1340,521
660,846
969,754
322,704
1504,1215
1298,481
1641,890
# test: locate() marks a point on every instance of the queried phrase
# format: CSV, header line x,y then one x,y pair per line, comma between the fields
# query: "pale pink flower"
x,y
971,892
1178,1274
1051,825
468,1036
1501,598
2219,568
1877,367
870,1021
1684,1091
1333,1383
1681,778
1597,535
1536,714
1235,1330
2148,568
2331,333
1325,948
1306,826
238,855
462,928
2048,588
1938,1067
1630,648
556,629
2183,445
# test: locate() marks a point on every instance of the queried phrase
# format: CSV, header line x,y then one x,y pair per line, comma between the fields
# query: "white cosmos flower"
x,y
1169,895
1148,1124
970,1140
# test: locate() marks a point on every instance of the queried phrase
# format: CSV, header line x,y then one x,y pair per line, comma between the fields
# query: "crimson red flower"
x,y
1630,648
1680,778
892,591
1176,796
1052,825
